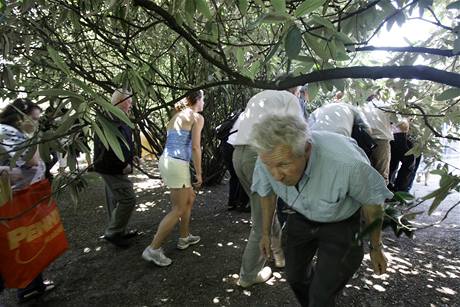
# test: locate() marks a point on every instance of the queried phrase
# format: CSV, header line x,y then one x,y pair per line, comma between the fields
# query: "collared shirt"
x,y
264,103
333,117
379,121
337,181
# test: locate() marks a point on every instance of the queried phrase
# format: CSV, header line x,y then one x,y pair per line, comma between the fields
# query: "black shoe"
x,y
131,234
48,286
118,240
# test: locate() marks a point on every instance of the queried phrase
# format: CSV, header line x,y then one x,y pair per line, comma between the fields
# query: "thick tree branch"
x,y
434,51
418,72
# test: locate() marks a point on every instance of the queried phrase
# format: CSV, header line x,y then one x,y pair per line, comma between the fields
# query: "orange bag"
x,y
31,235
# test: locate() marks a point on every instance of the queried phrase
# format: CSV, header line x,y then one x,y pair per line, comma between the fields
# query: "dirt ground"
x,y
424,271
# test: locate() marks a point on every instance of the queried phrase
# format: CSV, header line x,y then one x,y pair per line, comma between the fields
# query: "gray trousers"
x,y
244,159
120,200
338,253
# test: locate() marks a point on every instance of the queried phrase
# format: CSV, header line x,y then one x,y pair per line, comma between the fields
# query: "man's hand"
x,y
265,246
378,260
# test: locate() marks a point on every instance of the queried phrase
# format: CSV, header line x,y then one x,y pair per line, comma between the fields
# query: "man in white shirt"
x,y
335,117
380,125
244,157
237,197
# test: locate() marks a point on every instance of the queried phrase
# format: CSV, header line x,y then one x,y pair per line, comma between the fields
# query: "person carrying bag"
x,y
31,232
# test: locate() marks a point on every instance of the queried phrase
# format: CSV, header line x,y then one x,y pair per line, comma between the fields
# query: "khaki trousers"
x,y
244,159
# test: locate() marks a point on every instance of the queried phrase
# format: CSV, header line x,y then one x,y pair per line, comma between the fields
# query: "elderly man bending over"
x,y
327,180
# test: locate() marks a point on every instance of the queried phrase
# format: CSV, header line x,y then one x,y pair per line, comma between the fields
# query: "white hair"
x,y
274,130
120,94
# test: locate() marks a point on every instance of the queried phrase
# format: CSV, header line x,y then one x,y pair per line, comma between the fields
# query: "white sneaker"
x,y
262,276
157,256
280,261
184,243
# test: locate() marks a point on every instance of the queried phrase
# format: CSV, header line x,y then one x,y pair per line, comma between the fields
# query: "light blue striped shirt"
x,y
337,181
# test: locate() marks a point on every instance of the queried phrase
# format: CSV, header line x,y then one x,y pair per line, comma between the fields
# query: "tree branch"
x,y
434,51
173,25
427,123
418,72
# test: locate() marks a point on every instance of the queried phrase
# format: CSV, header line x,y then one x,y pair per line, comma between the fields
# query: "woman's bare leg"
x,y
179,201
184,225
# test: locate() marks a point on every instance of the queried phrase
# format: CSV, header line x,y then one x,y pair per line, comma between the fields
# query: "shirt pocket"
x,y
332,198
329,206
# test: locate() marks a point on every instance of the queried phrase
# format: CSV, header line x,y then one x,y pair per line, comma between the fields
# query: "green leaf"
x,y
71,161
400,18
454,5
308,6
343,37
425,3
57,93
203,8
390,24
404,197
456,49
113,4
254,69
275,18
293,42
113,136
272,52
279,5
437,201
448,94
6,46
66,123
100,134
8,78
305,58
44,151
240,56
115,111
243,6
318,46
322,21
57,59
190,9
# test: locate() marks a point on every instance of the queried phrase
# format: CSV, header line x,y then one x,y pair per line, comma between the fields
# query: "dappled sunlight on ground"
x,y
92,272
436,271
147,183
145,206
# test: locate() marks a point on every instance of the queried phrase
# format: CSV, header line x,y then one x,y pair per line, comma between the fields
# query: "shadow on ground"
x,y
424,271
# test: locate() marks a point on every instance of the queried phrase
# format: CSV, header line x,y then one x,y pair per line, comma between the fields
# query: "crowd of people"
x,y
309,167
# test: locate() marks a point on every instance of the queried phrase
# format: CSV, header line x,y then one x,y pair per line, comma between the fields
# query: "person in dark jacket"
x,y
401,165
120,197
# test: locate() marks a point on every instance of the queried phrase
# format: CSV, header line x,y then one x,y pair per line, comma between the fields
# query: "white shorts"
x,y
175,172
